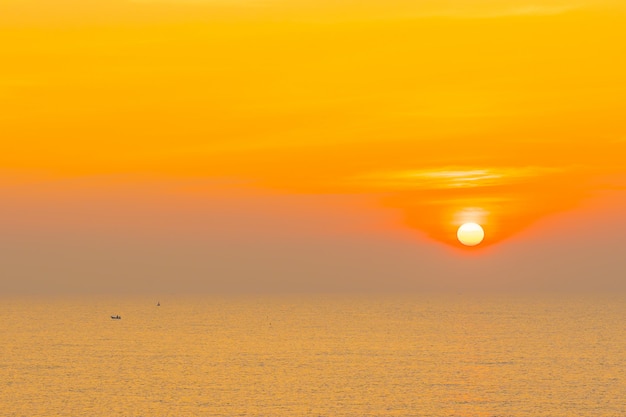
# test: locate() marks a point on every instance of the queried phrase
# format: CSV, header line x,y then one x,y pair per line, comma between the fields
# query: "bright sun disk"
x,y
470,234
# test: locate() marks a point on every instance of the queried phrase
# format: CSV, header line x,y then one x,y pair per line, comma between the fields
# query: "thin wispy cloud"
x,y
401,8
529,10
450,177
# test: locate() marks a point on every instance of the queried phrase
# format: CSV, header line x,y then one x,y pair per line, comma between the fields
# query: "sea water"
x,y
437,356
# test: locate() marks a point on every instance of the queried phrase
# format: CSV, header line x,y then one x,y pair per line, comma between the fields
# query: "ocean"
x,y
440,356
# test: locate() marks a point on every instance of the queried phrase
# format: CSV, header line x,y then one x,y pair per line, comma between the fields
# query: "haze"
x,y
295,146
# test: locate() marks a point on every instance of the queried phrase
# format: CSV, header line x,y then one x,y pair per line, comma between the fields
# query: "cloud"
x,y
450,177
529,10
399,8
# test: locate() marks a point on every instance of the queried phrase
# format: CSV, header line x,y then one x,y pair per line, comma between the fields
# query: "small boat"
x,y
118,317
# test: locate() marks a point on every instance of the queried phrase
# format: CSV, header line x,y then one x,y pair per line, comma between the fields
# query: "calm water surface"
x,y
314,356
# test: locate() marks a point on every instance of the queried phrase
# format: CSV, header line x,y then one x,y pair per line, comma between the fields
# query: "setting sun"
x,y
470,234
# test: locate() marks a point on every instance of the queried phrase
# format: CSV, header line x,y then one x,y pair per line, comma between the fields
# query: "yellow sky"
x,y
506,110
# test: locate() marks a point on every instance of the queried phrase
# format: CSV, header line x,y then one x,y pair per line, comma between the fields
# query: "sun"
x,y
470,234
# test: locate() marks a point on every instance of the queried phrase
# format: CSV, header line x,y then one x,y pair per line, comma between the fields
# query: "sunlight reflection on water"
x,y
315,356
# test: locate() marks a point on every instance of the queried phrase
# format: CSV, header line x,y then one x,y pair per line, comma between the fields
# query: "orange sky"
x,y
423,114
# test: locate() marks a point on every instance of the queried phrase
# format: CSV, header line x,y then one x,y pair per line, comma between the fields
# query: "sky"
x,y
299,146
